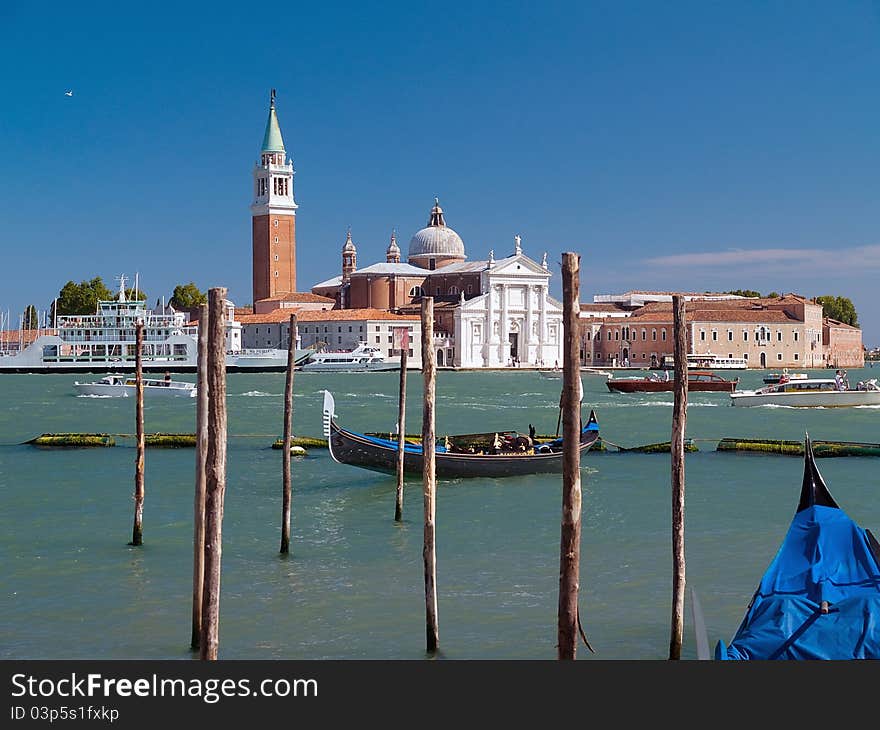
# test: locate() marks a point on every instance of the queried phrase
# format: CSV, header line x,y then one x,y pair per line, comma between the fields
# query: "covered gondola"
x,y
492,454
820,597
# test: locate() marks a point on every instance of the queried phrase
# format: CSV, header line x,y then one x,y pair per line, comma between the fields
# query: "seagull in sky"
x,y
69,92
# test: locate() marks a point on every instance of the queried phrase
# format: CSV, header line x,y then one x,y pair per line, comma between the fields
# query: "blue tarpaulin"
x,y
820,597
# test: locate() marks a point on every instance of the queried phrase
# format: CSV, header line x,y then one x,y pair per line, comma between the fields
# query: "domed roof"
x,y
348,246
393,248
437,239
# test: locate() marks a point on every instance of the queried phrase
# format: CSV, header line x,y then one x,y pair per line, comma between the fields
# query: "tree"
x,y
82,298
187,296
744,293
839,308
30,317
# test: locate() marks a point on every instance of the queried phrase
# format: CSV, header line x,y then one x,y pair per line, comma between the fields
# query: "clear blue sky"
x,y
674,145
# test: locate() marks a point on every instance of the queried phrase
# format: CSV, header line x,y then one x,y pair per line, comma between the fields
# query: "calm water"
x,y
71,587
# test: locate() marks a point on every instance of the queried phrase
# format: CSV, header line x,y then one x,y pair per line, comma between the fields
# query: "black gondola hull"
x,y
356,449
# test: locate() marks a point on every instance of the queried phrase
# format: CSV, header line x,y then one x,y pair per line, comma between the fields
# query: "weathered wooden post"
x,y
570,546
137,533
403,338
429,483
288,436
199,500
679,422
215,472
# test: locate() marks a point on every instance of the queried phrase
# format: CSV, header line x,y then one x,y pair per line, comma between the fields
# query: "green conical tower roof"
x,y
272,141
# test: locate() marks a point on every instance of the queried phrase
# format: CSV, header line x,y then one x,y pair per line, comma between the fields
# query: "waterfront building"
x,y
489,313
768,332
273,214
333,329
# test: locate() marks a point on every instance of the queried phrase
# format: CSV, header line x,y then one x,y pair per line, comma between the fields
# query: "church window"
x,y
663,335
432,264
276,255
276,239
644,335
453,290
416,291
276,220
276,273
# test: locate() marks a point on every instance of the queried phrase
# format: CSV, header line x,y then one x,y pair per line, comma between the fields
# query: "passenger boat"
x,y
710,361
820,596
104,342
491,454
120,386
698,380
362,358
810,393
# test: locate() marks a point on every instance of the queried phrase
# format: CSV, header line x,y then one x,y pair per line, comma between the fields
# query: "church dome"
x,y
348,246
437,240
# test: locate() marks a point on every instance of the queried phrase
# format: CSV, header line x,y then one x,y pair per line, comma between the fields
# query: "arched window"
x,y
416,291
453,290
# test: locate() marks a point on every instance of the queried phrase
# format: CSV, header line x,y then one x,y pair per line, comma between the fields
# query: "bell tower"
x,y
274,216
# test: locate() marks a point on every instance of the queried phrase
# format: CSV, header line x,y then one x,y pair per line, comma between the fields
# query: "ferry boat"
x,y
708,361
810,392
362,358
121,386
105,342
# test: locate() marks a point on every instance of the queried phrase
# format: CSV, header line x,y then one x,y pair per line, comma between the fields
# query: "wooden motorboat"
x,y
698,380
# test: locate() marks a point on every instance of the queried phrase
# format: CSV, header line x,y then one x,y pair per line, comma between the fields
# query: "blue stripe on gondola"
x,y
388,444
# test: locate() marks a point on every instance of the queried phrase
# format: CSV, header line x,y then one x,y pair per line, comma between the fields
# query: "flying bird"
x,y
68,93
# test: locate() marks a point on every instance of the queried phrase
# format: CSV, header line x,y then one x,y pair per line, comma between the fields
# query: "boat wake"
x,y
86,395
260,394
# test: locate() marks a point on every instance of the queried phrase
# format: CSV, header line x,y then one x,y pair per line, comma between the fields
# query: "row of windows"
x,y
654,355
761,335
418,291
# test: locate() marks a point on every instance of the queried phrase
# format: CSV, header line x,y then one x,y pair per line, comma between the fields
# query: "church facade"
x,y
488,314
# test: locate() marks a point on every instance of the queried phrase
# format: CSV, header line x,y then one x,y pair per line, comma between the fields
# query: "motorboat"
x,y
363,358
698,380
810,393
773,378
121,386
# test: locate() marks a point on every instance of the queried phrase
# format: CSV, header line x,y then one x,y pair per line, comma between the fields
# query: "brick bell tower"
x,y
274,216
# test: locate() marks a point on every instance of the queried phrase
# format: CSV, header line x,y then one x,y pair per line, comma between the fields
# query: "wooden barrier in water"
x,y
796,448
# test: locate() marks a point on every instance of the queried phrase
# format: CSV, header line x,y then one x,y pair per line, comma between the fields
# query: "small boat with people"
x,y
783,377
820,596
698,380
492,454
363,358
811,393
122,386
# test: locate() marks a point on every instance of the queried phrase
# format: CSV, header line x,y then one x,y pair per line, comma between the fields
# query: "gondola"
x,y
820,597
493,454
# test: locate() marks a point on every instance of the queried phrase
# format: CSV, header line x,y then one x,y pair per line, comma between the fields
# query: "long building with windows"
x,y
786,331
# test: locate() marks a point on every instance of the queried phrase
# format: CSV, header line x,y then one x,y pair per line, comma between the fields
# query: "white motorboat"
x,y
120,386
363,358
810,393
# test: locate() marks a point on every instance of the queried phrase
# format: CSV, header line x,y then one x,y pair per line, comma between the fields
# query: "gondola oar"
x,y
700,632
559,420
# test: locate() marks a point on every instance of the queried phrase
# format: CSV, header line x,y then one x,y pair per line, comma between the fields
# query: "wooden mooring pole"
x,y
570,544
288,435
679,422
401,425
137,532
199,500
429,482
215,472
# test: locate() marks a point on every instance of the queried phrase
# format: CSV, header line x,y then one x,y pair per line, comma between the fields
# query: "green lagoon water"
x,y
352,588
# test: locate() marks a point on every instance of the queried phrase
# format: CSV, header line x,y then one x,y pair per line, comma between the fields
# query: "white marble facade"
x,y
513,322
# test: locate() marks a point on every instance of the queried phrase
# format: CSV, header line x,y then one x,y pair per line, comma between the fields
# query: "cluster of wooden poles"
x,y
210,479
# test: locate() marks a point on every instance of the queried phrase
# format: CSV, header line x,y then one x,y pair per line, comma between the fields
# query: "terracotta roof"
x,y
838,324
603,307
324,315
299,296
27,336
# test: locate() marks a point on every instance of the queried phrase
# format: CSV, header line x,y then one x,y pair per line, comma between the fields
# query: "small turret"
x,y
392,253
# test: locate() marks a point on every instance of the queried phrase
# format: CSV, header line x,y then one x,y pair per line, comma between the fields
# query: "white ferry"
x,y
362,358
708,361
810,393
105,342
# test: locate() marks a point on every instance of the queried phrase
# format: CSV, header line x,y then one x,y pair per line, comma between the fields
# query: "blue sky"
x,y
681,145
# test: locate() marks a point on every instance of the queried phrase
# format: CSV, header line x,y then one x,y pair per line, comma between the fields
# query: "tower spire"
x,y
272,140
